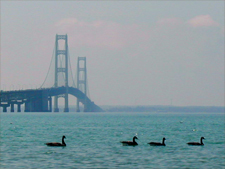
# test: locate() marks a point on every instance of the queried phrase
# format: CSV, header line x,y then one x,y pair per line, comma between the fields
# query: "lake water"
x,y
93,140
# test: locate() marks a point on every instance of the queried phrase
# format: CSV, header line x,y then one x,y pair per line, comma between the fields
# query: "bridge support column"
x,y
44,103
85,108
4,108
37,102
78,106
66,109
5,105
28,106
50,104
12,107
56,108
19,107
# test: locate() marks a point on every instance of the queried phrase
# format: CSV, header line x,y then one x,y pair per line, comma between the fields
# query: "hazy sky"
x,y
138,53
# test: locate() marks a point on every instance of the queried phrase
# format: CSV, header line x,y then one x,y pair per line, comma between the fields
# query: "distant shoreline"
x,y
190,109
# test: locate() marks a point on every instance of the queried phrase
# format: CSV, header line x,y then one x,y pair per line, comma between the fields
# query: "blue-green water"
x,y
93,140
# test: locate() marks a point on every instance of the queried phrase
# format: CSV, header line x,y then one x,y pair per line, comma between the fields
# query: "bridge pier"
x,y
27,106
44,102
56,108
5,107
78,107
31,105
50,104
19,107
66,109
12,107
38,102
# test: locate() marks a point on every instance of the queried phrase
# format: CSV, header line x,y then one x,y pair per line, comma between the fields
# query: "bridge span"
x,y
40,100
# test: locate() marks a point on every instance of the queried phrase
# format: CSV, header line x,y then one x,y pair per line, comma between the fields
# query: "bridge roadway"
x,y
40,100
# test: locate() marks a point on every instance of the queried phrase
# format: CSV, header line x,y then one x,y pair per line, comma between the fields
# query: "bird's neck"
x,y
134,140
201,141
63,141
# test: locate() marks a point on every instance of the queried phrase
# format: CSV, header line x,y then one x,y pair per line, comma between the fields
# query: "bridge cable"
x,y
88,92
49,68
74,85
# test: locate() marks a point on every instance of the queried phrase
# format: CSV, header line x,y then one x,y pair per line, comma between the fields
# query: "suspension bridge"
x,y
59,83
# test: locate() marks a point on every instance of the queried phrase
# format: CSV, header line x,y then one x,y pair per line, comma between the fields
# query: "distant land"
x,y
160,108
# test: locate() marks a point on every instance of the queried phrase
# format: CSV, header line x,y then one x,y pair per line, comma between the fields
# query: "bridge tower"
x,y
61,54
81,78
